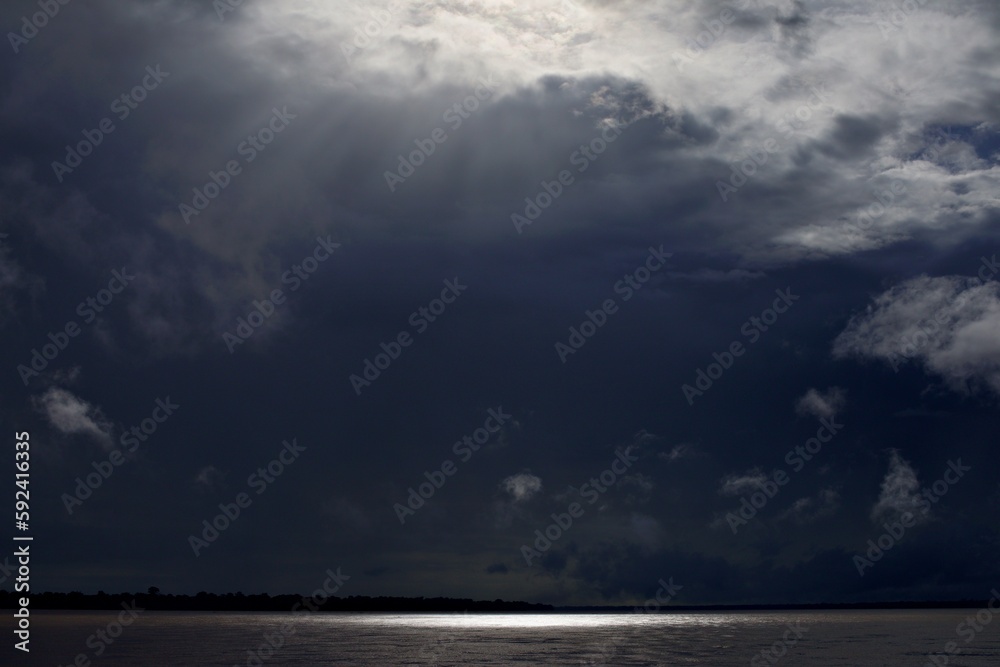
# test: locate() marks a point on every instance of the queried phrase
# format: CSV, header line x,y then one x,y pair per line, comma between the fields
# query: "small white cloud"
x,y
751,480
522,486
900,490
948,324
682,451
68,376
807,510
72,415
821,404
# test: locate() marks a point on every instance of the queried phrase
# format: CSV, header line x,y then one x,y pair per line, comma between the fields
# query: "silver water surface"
x,y
854,638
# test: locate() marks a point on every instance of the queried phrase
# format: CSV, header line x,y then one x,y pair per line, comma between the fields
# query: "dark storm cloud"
x,y
764,145
853,136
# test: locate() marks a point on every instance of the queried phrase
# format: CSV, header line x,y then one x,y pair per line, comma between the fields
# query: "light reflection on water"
x,y
830,638
553,620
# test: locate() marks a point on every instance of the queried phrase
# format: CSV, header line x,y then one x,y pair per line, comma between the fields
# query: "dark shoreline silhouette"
x,y
262,602
818,606
236,602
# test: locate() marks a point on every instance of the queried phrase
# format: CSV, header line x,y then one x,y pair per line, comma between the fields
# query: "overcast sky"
x,y
463,271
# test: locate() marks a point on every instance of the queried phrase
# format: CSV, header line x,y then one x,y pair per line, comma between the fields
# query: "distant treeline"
x,y
263,602
819,606
361,603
